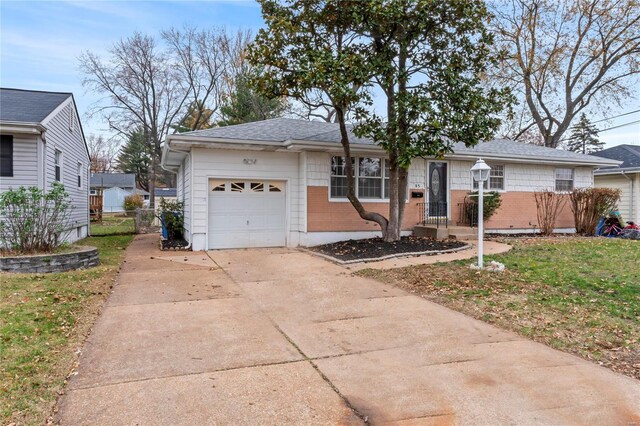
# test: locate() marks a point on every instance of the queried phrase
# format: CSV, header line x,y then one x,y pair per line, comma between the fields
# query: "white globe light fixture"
x,y
480,173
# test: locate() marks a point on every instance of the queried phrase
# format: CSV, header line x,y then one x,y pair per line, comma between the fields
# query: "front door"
x,y
437,189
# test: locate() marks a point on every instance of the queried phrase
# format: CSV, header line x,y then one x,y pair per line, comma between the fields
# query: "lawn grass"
x,y
580,295
44,319
113,225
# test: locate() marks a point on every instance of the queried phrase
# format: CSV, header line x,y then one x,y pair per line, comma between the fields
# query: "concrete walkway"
x,y
277,336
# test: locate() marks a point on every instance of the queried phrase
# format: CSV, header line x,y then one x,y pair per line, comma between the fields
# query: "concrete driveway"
x,y
278,336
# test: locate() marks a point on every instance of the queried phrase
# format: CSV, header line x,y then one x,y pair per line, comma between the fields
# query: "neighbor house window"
x,y
371,177
93,192
496,178
6,156
79,175
58,165
564,180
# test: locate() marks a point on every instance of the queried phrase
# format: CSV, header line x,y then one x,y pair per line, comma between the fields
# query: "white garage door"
x,y
248,213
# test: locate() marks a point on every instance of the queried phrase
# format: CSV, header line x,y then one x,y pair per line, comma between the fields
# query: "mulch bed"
x,y
375,247
176,244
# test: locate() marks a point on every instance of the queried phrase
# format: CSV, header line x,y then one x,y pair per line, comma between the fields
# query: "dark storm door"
x,y
437,179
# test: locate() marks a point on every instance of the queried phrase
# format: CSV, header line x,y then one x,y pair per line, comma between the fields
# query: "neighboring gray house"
x,y
625,177
115,188
126,181
42,142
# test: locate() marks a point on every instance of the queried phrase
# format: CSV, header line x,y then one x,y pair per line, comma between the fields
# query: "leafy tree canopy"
x,y
427,57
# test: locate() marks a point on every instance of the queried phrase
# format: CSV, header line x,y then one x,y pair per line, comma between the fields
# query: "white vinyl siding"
x,y
25,163
230,164
629,204
519,177
74,151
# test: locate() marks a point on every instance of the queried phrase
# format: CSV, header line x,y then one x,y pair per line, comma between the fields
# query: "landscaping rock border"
x,y
389,256
81,258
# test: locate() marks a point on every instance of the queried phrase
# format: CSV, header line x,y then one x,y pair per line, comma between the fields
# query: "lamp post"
x,y
480,173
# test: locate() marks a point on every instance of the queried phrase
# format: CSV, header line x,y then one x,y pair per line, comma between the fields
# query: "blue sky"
x,y
41,41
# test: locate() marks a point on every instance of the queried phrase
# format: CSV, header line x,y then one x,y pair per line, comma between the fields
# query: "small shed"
x,y
113,200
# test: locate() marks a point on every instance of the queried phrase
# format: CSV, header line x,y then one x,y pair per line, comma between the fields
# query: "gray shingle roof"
x,y
628,154
274,130
112,180
286,129
165,192
28,106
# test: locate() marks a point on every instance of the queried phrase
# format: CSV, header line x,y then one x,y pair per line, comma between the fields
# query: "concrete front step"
x,y
462,233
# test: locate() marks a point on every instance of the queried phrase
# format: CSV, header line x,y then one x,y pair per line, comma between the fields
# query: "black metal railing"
x,y
467,214
434,213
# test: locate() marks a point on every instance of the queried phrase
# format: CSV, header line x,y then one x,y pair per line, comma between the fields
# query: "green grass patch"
x,y
113,225
581,295
43,320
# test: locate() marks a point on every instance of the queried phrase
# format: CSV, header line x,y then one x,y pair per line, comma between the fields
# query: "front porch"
x,y
435,221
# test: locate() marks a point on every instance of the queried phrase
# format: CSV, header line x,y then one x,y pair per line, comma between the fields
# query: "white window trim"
x,y
555,179
56,164
80,174
486,186
356,159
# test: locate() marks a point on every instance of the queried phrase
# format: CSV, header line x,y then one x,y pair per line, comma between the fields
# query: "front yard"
x,y
113,225
43,321
580,295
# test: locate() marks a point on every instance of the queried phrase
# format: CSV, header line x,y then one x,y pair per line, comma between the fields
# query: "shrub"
x,y
491,202
548,205
33,220
590,204
131,203
172,216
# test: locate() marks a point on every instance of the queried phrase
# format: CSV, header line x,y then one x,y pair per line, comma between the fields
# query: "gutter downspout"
x,y
631,201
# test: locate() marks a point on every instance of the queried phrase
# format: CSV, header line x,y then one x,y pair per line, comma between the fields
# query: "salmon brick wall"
x,y
326,216
518,211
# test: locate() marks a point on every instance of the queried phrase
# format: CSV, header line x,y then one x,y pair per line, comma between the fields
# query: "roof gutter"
x,y
21,127
529,159
614,171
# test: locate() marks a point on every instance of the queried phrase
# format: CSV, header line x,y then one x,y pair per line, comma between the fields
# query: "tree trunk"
x,y
393,230
351,190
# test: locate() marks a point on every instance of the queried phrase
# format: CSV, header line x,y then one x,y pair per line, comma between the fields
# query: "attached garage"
x,y
246,213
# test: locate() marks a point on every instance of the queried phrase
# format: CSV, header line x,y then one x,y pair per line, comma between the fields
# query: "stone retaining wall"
x,y
83,257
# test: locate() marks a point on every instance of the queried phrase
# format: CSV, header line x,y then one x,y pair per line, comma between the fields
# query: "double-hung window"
x,y
58,165
6,156
79,175
496,178
371,178
564,180
339,177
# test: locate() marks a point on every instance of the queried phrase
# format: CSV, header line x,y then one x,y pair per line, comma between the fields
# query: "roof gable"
x,y
28,106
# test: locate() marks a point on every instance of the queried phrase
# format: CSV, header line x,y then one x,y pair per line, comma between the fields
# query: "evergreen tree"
x,y
135,157
246,105
198,117
584,137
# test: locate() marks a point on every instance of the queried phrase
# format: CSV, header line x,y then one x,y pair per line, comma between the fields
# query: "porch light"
x,y
480,173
